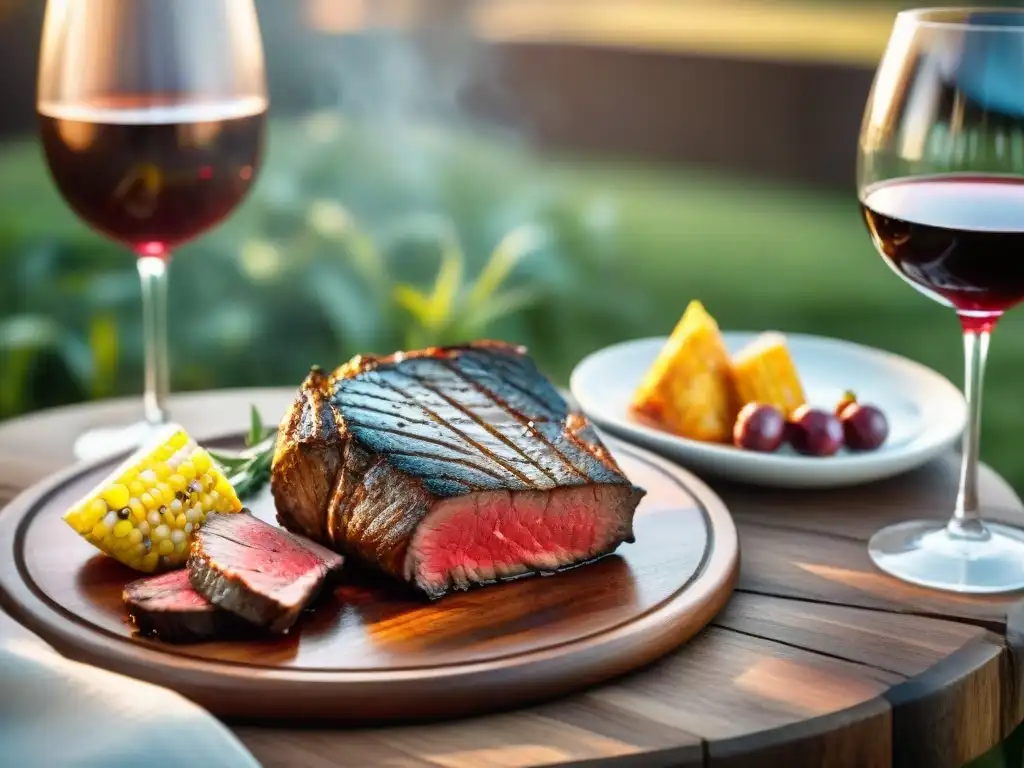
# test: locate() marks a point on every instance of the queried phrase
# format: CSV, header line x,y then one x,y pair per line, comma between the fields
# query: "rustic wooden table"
x,y
818,660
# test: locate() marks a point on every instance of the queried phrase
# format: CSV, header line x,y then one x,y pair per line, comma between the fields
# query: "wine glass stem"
x,y
966,517
153,272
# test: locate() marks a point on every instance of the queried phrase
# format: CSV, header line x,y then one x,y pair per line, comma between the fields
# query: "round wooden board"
x,y
372,650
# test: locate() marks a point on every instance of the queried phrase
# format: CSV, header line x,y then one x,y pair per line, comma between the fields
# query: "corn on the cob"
x,y
765,373
689,389
145,512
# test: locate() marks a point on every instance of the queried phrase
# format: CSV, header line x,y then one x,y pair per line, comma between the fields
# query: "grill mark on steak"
x,y
472,386
487,453
549,420
522,456
549,417
390,414
430,457
549,404
528,423
407,435
405,429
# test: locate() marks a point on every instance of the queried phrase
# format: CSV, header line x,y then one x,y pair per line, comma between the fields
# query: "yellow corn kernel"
x,y
166,493
123,528
138,510
765,373
165,547
97,508
688,389
177,482
201,461
226,497
116,496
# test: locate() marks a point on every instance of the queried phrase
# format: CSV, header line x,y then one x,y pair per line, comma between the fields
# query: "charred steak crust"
x,y
167,607
406,461
256,571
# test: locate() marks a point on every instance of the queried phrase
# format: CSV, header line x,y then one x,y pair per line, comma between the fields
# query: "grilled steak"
x,y
168,607
257,571
449,467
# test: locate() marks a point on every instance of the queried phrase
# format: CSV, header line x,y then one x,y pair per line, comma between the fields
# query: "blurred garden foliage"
x,y
372,238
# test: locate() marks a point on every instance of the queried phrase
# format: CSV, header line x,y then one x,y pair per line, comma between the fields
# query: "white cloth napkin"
x,y
56,713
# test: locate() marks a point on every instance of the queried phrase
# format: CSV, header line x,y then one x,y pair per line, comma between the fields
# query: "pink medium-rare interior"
x,y
169,591
268,559
490,535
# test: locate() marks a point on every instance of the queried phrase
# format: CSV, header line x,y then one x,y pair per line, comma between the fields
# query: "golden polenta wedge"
x,y
145,512
764,373
689,388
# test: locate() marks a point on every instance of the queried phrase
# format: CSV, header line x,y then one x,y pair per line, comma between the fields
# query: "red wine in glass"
x,y
956,238
151,173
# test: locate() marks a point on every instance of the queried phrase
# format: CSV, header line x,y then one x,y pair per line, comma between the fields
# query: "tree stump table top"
x,y
819,659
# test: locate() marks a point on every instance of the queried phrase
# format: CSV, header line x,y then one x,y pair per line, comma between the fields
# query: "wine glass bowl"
x,y
156,177
152,119
941,187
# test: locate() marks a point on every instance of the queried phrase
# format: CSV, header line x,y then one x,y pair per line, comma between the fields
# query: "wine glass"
x,y
152,117
941,186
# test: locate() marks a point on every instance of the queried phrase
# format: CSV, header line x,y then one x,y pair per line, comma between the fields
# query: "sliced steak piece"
x,y
166,606
257,571
449,467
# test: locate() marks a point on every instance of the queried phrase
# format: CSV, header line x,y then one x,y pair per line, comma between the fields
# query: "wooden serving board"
x,y
372,650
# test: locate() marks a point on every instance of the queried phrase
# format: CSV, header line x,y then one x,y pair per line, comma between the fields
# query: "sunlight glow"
x,y
875,583
812,690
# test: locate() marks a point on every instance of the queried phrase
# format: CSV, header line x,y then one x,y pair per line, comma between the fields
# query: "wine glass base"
x,y
108,441
925,552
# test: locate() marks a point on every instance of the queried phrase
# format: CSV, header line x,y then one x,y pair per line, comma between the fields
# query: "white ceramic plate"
x,y
926,412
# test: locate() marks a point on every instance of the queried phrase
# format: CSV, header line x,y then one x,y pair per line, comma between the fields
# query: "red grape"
x,y
815,432
759,428
864,426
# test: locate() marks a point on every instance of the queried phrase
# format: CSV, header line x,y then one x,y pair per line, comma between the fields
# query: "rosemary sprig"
x,y
248,471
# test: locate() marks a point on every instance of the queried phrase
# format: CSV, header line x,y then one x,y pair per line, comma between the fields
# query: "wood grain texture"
x,y
832,569
484,649
903,644
818,660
